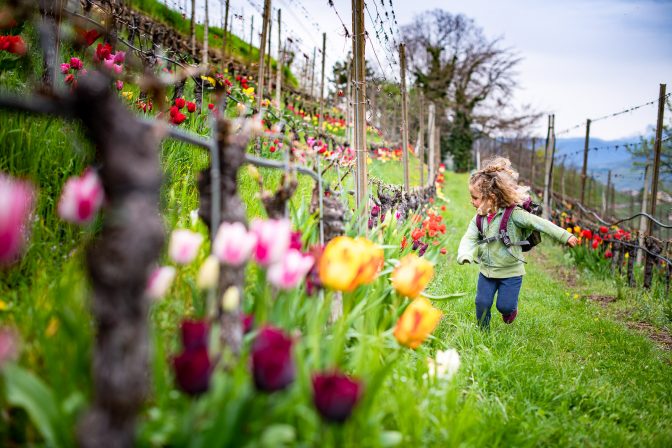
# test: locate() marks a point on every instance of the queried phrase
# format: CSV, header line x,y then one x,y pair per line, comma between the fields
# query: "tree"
x,y
468,77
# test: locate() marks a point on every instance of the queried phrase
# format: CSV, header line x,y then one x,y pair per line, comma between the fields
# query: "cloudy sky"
x,y
580,58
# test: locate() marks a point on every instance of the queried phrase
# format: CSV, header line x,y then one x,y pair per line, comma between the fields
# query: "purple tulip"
x,y
194,334
272,363
193,366
335,395
192,371
423,249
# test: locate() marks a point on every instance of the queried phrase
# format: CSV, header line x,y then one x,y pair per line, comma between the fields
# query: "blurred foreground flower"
x,y
290,270
445,364
9,345
233,243
273,237
183,246
335,395
159,282
208,274
272,363
193,366
81,198
416,323
13,44
347,263
412,275
16,204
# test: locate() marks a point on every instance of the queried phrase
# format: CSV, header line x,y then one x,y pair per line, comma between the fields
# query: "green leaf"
x,y
278,435
444,297
27,391
391,438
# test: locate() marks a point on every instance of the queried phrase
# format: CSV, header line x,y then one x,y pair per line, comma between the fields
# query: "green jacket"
x,y
495,260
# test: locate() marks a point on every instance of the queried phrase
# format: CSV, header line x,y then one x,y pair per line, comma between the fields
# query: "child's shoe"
x,y
509,318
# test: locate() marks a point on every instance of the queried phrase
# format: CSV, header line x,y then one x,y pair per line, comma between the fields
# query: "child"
x,y
493,189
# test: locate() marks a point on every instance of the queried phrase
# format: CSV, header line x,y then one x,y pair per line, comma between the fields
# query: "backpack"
x,y
530,241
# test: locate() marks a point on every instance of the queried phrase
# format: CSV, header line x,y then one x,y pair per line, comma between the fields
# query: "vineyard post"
x,y
533,161
348,105
206,31
404,116
607,194
550,150
225,37
192,28
324,61
358,46
478,155
562,179
437,151
420,145
262,48
656,149
251,33
643,221
230,33
269,65
612,200
280,60
585,161
520,155
430,141
312,75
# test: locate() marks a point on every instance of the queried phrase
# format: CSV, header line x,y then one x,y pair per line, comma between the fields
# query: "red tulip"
x,y
211,106
191,107
587,234
335,395
178,118
180,102
608,254
272,363
595,244
603,229
103,52
13,44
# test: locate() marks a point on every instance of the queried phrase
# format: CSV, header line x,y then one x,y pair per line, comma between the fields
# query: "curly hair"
x,y
497,185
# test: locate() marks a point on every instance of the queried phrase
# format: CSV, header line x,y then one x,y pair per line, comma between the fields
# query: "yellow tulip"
x,y
412,275
577,229
569,229
347,263
419,319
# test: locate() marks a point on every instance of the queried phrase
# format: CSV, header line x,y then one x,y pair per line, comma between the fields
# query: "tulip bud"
x,y
231,299
335,396
81,198
272,363
159,282
184,245
208,274
16,205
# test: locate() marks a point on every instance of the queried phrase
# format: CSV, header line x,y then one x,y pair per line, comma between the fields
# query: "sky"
x,y
580,58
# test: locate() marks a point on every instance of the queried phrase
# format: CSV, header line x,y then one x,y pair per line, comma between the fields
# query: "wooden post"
x,y
404,117
251,33
656,149
358,48
225,36
324,61
533,161
280,60
192,29
643,221
431,143
607,192
348,105
262,47
562,179
206,31
437,151
585,161
550,149
419,146
269,64
312,75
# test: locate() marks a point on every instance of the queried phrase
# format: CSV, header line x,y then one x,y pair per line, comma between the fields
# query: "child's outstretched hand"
x,y
572,241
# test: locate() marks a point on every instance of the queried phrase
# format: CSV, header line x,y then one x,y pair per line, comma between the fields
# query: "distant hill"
x,y
610,155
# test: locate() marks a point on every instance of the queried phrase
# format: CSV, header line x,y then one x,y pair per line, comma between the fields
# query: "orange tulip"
x,y
419,319
412,275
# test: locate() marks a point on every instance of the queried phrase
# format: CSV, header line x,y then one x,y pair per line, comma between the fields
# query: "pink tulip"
x,y
159,282
117,68
81,198
119,57
109,64
183,246
233,243
273,238
76,64
119,84
65,68
290,270
16,204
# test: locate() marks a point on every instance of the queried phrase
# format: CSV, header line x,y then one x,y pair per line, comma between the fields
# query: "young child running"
x,y
493,190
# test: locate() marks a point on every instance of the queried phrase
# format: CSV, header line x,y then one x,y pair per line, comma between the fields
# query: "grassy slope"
x,y
564,374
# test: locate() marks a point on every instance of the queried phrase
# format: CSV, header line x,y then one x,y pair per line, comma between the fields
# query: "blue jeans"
x,y
507,290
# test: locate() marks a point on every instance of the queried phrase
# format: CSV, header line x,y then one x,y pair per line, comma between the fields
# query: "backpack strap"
x,y
479,225
504,235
